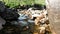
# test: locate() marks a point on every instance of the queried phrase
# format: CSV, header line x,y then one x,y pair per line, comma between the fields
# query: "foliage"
x,y
40,2
13,3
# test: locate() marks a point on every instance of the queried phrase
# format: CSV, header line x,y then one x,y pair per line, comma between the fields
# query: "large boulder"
x,y
9,14
53,7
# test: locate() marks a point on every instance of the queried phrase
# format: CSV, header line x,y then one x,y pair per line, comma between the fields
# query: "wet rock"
x,y
2,22
9,14
2,6
22,17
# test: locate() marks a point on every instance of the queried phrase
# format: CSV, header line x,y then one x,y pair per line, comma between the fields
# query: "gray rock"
x,y
2,6
2,22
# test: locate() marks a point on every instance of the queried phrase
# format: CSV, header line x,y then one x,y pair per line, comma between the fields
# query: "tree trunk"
x,y
53,8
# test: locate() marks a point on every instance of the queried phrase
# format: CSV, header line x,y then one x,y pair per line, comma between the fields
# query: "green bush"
x,y
13,3
42,2
26,2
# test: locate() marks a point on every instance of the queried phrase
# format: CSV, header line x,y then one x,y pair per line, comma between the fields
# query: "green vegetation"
x,y
13,3
42,2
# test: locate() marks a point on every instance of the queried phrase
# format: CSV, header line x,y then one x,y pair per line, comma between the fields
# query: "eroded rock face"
x,y
53,7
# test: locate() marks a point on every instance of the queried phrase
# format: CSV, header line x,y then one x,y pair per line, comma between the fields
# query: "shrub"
x,y
13,3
